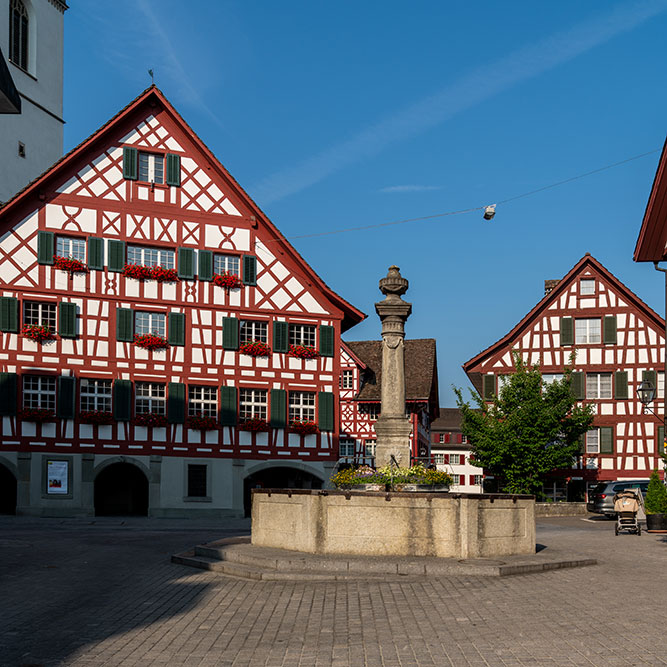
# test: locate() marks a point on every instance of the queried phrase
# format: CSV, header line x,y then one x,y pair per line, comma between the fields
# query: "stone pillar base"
x,y
393,438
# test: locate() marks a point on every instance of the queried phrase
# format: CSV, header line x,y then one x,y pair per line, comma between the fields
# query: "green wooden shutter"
x,y
325,401
186,263
176,329
228,406
609,329
577,384
176,403
230,333
326,341
9,314
66,397
489,387
582,443
8,393
280,337
249,269
67,320
130,163
45,247
650,376
124,325
116,255
173,169
566,331
661,449
95,253
122,400
606,440
205,265
278,408
621,384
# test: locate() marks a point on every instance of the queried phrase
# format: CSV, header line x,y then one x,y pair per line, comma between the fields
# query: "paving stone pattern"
x,y
105,593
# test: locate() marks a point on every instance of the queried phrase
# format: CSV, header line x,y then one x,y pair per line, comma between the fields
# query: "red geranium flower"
x,y
69,264
227,280
150,341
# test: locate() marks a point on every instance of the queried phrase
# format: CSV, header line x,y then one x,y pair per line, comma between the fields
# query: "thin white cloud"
x,y
410,188
477,86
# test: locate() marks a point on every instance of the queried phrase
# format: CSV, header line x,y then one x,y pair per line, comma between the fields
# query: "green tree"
x,y
529,429
656,495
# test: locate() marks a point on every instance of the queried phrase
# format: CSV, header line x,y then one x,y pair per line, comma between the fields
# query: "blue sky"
x,y
348,114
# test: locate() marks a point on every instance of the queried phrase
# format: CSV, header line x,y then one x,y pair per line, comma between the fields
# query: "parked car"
x,y
601,498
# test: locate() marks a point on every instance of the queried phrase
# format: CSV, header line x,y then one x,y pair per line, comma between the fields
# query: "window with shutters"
x,y
252,404
151,167
38,312
203,401
550,378
347,379
18,34
301,406
227,264
456,479
149,323
598,385
464,439
69,246
586,286
477,480
302,334
197,474
150,398
587,330
439,459
455,459
441,438
39,391
593,441
251,331
146,256
95,395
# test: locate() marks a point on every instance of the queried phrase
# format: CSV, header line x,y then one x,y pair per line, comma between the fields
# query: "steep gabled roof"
x,y
586,261
652,240
153,99
354,357
421,371
449,420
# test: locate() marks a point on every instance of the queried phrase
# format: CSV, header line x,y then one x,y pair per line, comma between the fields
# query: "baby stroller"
x,y
626,506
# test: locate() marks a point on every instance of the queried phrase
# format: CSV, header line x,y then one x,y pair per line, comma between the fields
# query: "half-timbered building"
x,y
615,342
162,346
360,382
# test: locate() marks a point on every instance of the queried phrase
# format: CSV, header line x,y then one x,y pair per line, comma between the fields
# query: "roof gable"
x,y
651,243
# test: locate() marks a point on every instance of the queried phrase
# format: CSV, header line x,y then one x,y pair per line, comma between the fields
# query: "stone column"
x,y
393,426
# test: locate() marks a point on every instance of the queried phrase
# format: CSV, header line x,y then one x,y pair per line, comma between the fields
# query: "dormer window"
x,y
151,167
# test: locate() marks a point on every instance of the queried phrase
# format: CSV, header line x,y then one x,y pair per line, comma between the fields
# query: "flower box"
x,y
417,478
254,425
137,271
69,264
95,417
202,423
163,275
149,419
255,349
150,341
37,332
303,427
38,415
227,280
302,352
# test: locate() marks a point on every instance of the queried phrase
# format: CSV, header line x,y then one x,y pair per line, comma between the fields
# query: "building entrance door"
x,y
7,491
121,489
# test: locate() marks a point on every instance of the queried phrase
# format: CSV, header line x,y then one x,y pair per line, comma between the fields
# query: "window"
x,y
18,34
660,390
250,332
145,256
592,442
502,381
371,410
37,312
39,391
202,401
477,480
95,395
302,406
586,286
67,246
587,330
550,378
302,334
464,439
369,448
252,404
346,448
347,379
455,459
598,385
441,438
227,264
149,323
150,398
439,459
197,480
456,479
151,167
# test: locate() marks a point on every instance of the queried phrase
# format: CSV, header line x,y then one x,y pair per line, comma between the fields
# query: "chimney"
x,y
549,285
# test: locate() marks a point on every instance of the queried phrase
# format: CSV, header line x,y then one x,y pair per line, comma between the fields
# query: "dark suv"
x,y
601,498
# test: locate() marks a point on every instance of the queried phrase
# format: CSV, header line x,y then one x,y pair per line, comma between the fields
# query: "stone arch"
x,y
8,486
121,487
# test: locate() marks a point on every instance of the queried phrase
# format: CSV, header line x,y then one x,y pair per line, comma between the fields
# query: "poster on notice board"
x,y
56,477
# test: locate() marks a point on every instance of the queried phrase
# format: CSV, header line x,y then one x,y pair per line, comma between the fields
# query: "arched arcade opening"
x,y
121,489
278,477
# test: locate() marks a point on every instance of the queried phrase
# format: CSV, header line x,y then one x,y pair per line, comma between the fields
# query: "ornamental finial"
x,y
394,285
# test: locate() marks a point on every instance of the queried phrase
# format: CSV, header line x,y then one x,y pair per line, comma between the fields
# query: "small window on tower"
x,y
21,149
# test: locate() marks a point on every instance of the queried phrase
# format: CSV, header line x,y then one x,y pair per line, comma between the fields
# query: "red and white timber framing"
x,y
637,348
86,195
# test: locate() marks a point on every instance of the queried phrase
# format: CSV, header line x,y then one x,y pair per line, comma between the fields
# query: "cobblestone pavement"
x,y
105,593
